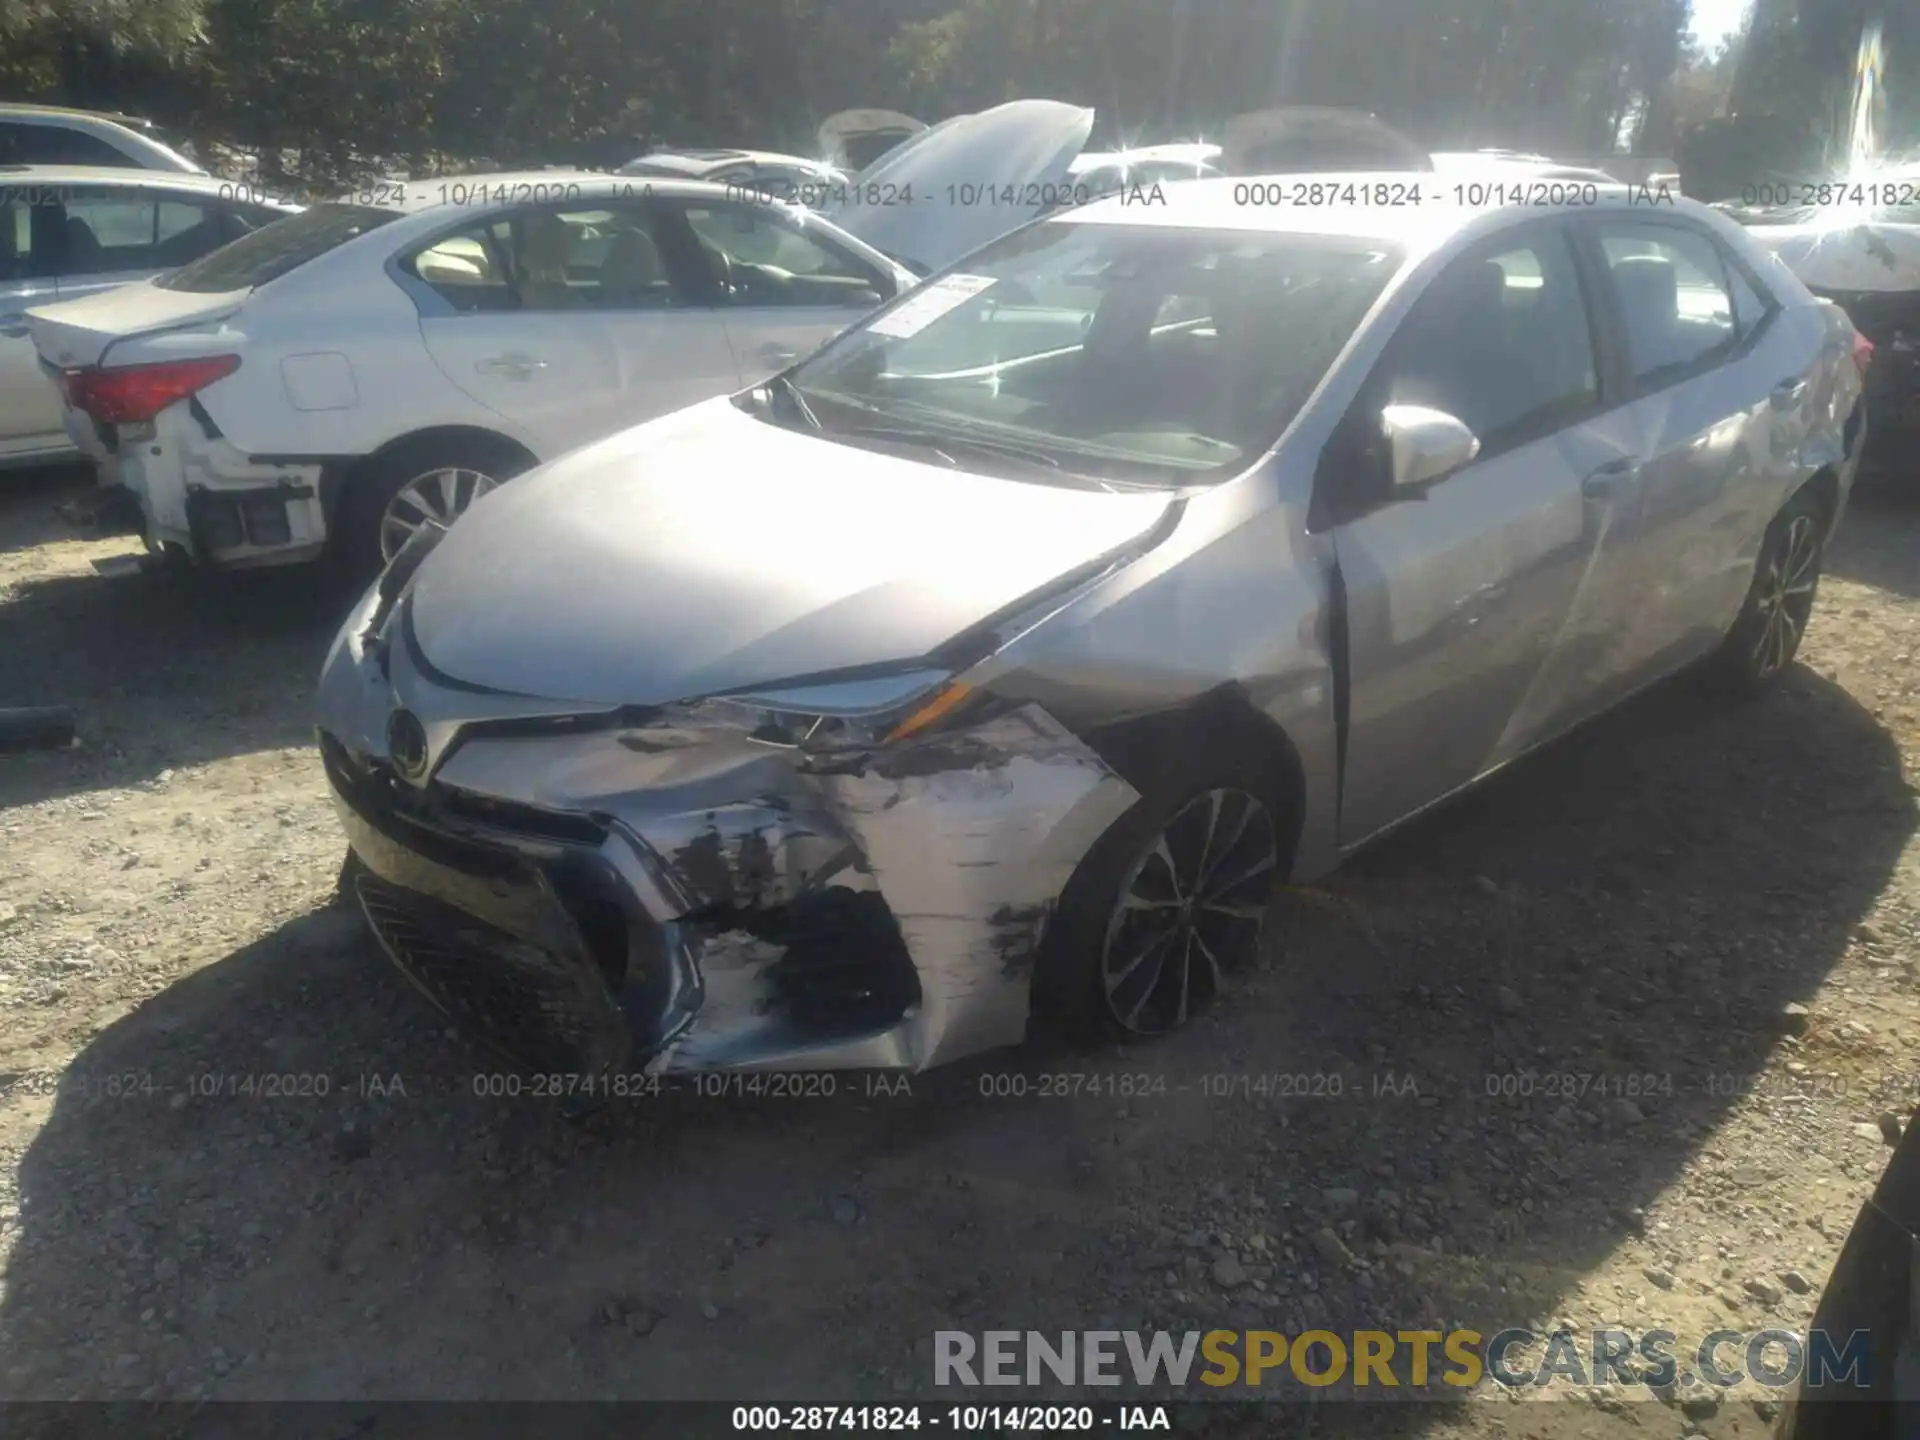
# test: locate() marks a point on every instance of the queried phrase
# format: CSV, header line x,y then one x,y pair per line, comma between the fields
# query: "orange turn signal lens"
x,y
942,703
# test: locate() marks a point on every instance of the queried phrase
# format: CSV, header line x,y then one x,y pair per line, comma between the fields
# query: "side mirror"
x,y
1424,445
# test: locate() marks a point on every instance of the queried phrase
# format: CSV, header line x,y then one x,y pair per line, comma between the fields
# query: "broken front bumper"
x,y
679,895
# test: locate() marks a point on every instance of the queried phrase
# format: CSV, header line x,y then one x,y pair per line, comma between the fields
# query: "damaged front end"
x,y
853,877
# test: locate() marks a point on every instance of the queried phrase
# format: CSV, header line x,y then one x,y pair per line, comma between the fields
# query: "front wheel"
x,y
1165,907
1767,634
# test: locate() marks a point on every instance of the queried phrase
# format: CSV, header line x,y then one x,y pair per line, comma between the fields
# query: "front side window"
x,y
1500,341
758,257
1131,353
277,249
1671,287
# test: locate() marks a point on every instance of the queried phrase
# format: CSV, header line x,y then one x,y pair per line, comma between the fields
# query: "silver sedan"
x,y
997,662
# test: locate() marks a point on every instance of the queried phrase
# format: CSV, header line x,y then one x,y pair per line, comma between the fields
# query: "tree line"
x,y
328,87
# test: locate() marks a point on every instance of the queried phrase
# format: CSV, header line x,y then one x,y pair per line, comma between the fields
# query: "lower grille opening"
x,y
846,968
545,1012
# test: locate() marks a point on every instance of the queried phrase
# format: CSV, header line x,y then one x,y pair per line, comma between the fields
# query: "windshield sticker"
x,y
928,304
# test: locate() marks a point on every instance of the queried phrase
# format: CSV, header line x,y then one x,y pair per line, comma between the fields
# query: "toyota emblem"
x,y
407,744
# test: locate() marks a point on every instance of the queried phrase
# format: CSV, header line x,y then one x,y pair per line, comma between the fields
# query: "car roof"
x,y
61,176
1223,203
21,109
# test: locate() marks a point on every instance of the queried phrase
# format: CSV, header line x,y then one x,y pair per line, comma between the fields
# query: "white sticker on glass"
x,y
928,304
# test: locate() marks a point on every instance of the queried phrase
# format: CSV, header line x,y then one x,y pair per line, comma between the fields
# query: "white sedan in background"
x,y
339,379
73,230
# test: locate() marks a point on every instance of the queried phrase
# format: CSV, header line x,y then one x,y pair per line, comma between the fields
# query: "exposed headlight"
x,y
851,715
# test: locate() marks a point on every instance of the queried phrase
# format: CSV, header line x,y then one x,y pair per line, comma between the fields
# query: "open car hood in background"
x,y
950,189
849,139
1295,139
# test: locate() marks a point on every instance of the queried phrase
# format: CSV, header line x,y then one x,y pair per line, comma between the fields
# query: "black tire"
x,y
371,489
1760,647
1089,938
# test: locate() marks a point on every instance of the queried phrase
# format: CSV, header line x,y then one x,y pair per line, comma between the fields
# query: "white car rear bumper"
x,y
201,495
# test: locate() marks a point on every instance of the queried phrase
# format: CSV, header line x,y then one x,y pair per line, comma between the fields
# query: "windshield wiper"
x,y
781,385
943,444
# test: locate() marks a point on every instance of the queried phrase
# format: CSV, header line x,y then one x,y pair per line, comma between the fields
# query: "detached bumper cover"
x,y
738,904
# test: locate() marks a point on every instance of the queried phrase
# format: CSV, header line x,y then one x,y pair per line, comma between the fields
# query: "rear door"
x,y
30,405
1458,597
1718,387
783,289
557,321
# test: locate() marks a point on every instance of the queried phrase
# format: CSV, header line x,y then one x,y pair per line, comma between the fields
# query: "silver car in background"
x,y
1001,659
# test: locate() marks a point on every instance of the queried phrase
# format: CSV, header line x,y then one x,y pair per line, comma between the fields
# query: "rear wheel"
x,y
416,486
1162,911
1767,634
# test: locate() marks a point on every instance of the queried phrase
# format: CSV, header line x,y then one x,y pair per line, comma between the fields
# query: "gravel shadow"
x,y
165,670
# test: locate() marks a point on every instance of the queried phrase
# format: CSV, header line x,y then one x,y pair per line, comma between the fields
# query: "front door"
x,y
1457,597
784,290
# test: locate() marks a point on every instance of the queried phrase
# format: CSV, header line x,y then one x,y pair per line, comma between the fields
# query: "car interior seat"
x,y
1649,290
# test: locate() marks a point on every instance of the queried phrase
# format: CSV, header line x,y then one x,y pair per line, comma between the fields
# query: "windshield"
x,y
1131,353
273,250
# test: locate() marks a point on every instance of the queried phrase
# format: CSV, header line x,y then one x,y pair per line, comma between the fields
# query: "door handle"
x,y
514,367
776,354
1788,392
1603,483
14,325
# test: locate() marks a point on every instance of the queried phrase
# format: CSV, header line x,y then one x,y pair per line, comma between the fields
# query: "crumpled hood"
x,y
1873,256
971,179
711,550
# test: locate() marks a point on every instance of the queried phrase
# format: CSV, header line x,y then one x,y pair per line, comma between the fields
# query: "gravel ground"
x,y
1724,900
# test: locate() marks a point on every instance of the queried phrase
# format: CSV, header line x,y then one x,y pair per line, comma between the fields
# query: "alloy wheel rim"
x,y
439,497
1787,583
1190,908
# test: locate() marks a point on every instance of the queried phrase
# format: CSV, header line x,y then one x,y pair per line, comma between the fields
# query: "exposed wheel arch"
x,y
1824,487
438,435
1154,752
1216,743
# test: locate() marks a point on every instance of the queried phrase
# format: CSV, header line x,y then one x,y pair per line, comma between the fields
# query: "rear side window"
x,y
1752,304
1500,341
1671,286
118,231
275,250
548,260
56,145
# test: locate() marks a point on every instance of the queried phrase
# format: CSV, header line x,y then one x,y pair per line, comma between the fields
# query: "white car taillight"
x,y
131,394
